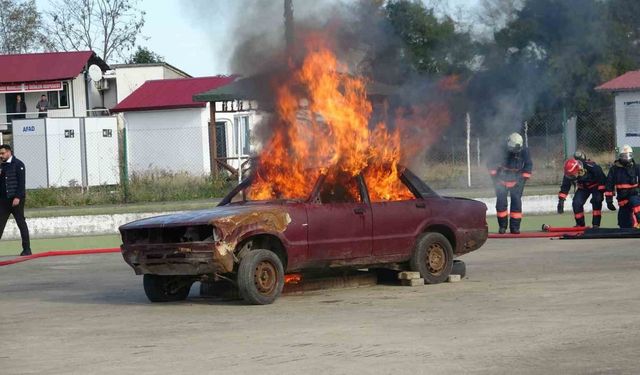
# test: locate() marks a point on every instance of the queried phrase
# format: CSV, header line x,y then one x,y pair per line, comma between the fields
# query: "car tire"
x,y
459,268
160,288
433,258
260,277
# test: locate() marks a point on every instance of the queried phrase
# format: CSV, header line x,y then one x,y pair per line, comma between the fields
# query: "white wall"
x,y
171,74
30,146
101,139
178,140
79,99
110,96
621,126
129,78
64,154
172,140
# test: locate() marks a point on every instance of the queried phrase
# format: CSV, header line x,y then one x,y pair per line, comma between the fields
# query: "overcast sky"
x,y
200,50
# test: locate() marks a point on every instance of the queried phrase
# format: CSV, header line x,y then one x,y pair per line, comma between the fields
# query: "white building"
x,y
61,76
167,131
123,79
626,90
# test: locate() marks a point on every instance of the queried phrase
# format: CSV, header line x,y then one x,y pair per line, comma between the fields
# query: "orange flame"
x,y
321,125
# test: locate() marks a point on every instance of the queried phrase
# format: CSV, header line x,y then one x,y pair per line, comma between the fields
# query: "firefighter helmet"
x,y
514,142
579,155
573,168
626,154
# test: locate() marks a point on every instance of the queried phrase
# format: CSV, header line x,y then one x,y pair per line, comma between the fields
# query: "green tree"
x,y
143,55
623,34
20,27
432,45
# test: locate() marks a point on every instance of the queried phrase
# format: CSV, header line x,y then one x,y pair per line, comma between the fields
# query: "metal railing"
x,y
88,112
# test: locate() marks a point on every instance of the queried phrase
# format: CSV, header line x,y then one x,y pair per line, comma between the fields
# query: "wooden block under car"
x,y
454,278
406,275
412,282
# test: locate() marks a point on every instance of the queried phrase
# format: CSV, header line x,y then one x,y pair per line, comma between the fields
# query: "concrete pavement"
x,y
526,307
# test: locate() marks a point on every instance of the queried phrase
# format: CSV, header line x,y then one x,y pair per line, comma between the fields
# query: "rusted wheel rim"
x,y
436,258
266,277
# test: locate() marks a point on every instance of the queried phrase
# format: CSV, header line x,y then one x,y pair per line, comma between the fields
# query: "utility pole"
x,y
288,26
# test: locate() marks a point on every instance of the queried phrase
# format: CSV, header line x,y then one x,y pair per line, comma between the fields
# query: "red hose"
x,y
58,253
566,229
533,235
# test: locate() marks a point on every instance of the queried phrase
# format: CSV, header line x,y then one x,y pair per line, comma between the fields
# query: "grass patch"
x,y
13,247
156,186
533,223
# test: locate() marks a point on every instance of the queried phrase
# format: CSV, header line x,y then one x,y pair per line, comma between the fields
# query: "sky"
x,y
172,31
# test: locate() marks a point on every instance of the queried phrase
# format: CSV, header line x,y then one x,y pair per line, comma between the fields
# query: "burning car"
x,y
328,191
255,243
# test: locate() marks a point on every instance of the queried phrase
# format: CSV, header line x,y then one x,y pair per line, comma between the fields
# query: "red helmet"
x,y
573,168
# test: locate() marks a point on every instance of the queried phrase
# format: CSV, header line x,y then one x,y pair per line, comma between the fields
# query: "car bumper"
x,y
173,259
471,239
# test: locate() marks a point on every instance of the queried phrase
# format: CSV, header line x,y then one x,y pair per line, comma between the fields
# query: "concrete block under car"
x,y
454,278
412,282
406,275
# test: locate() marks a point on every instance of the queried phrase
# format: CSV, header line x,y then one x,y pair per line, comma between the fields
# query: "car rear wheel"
x,y
160,288
433,258
260,277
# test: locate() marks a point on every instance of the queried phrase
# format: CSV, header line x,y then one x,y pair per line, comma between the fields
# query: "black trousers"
x,y
6,209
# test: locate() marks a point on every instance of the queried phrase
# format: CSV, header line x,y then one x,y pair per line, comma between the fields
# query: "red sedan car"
x,y
255,243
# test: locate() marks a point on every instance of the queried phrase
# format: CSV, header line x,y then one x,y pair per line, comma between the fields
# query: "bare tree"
x,y
20,27
108,27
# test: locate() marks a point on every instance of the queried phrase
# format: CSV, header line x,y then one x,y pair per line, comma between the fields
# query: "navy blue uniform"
x,y
592,183
509,173
12,185
622,181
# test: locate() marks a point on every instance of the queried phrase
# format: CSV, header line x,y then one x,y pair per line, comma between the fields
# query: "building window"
x,y
242,133
59,99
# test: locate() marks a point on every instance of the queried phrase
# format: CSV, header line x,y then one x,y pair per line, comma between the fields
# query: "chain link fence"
x,y
548,136
161,164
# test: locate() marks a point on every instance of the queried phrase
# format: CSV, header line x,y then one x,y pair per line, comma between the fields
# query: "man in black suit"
x,y
13,194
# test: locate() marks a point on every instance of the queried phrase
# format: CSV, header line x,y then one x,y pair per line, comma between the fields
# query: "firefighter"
x,y
622,181
590,181
509,173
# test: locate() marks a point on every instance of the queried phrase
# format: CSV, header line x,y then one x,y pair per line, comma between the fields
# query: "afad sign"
x,y
31,87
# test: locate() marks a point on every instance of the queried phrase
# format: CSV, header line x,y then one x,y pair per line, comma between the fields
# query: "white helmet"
x,y
514,142
626,154
579,155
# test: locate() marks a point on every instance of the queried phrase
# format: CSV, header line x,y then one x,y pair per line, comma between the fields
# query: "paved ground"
x,y
527,306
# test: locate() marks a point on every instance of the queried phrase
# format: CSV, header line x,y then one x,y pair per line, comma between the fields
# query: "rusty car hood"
x,y
208,216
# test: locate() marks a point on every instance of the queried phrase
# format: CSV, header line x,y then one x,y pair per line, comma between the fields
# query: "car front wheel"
x,y
160,288
433,258
260,277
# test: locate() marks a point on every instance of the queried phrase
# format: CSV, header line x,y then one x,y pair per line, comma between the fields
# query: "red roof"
x,y
170,93
626,82
50,66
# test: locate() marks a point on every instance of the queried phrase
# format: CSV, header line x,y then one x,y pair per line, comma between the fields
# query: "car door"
x,y
396,223
339,220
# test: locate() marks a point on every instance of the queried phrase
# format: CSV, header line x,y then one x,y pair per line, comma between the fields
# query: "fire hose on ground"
x,y
58,253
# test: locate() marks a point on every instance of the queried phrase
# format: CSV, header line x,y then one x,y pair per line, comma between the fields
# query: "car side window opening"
x,y
340,188
387,189
239,197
